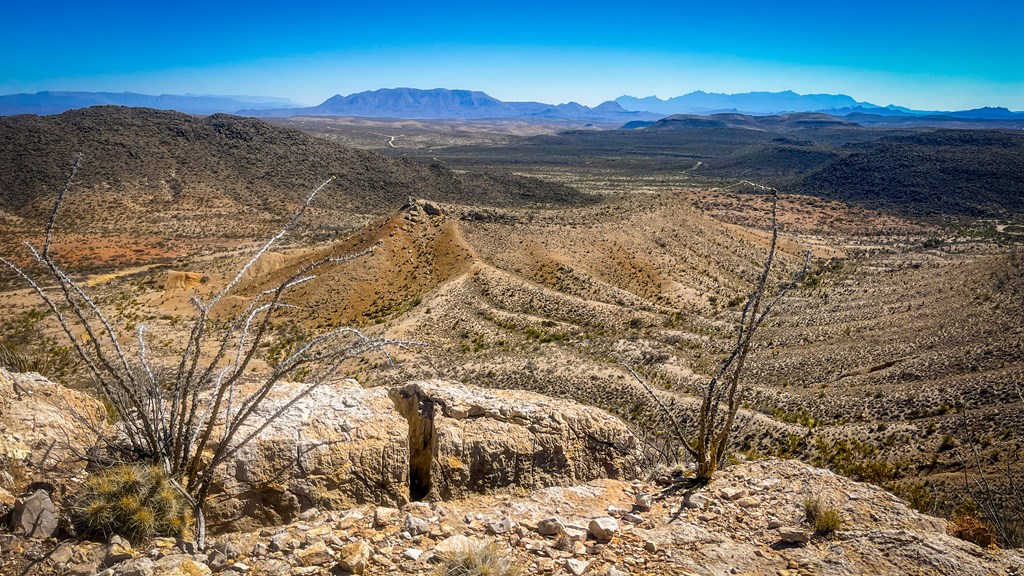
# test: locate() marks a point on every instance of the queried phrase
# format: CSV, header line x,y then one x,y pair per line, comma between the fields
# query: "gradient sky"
x,y
925,55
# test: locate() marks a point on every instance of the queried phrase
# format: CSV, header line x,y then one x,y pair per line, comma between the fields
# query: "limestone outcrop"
x,y
45,430
465,439
344,445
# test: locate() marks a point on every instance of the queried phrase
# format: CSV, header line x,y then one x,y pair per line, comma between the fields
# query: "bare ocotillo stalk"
x,y
170,418
724,394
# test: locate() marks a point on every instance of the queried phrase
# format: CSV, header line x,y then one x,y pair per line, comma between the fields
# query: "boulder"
x,y
343,445
46,427
603,529
339,446
464,439
35,516
316,555
355,557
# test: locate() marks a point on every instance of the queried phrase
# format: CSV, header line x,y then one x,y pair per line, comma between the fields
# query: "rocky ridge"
x,y
748,521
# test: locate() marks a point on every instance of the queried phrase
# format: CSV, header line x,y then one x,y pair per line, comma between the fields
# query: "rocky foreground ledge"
x,y
551,482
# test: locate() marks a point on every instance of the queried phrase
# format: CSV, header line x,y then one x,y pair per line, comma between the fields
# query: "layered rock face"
x,y
344,444
465,439
45,429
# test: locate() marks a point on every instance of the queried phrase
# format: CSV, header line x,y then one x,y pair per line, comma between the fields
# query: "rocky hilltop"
x,y
385,480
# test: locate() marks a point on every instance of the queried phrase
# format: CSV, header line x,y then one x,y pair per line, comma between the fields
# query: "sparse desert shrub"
x,y
825,519
970,528
477,558
725,393
135,501
12,359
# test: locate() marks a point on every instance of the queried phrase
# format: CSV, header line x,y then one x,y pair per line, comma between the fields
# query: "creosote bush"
x,y
474,557
135,501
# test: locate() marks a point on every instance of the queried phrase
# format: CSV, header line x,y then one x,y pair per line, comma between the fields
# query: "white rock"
x,y
603,528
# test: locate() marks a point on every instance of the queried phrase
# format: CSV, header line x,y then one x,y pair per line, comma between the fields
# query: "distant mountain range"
x,y
442,103
57,102
445,104
749,103
766,103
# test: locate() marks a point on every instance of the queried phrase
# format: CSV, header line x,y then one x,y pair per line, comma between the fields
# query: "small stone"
x,y
576,567
260,550
116,550
793,565
550,527
650,547
448,545
603,528
217,560
62,554
348,520
272,567
412,554
180,565
707,517
355,557
35,516
9,543
774,523
749,502
794,535
500,526
633,518
616,512
138,567
732,492
316,555
415,525
643,502
383,517
694,500
309,514
240,567
279,542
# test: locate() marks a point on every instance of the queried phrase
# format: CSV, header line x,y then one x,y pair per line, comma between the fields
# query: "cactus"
x,y
135,501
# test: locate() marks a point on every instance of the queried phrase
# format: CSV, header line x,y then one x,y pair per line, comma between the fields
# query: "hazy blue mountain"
x,y
700,102
988,113
445,104
57,102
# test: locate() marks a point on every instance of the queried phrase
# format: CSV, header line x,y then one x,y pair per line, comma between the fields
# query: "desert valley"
x,y
542,305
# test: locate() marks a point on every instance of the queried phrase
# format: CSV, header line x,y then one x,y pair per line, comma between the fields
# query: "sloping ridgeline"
x,y
245,159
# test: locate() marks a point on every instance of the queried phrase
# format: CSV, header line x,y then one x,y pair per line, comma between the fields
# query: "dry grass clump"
x,y
825,519
135,501
477,558
12,359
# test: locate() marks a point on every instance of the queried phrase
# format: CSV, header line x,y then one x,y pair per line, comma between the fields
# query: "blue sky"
x,y
934,55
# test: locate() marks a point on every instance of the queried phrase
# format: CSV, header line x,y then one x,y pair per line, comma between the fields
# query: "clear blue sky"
x,y
930,55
